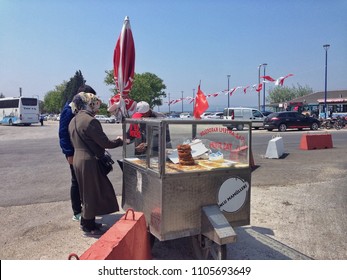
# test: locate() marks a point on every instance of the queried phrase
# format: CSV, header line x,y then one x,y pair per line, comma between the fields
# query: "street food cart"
x,y
204,200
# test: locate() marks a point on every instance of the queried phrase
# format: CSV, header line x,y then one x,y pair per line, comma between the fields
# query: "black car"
x,y
266,113
284,120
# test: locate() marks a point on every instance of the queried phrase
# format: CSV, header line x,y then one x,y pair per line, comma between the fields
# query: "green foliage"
x,y
284,94
53,99
72,87
103,110
146,87
109,80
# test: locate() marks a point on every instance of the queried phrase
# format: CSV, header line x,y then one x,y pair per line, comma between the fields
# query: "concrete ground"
x,y
298,211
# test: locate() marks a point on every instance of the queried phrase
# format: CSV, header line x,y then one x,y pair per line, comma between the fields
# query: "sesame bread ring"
x,y
184,147
187,162
184,154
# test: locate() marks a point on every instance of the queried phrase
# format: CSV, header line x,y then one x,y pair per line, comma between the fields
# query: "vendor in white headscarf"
x,y
97,193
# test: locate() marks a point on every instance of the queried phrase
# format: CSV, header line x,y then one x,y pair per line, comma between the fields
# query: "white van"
x,y
244,114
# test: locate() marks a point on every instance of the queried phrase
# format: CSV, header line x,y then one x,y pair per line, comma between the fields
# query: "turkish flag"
x,y
201,104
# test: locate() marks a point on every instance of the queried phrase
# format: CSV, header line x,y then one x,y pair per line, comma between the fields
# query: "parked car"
x,y
53,117
205,115
217,115
174,115
291,119
105,119
266,113
185,115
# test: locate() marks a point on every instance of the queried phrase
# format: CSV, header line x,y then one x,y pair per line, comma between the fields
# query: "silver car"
x,y
105,119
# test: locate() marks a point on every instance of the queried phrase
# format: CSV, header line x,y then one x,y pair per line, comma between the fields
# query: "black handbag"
x,y
105,162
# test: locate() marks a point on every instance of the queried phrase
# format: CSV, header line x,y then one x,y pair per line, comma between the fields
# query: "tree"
x,y
72,87
284,94
146,87
103,110
53,99
2,95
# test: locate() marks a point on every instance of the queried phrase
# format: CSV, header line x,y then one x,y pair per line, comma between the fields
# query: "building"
x,y
313,104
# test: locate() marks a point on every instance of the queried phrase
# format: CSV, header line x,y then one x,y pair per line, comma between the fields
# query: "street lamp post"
x,y
326,47
182,100
228,91
260,65
264,64
193,99
258,84
169,104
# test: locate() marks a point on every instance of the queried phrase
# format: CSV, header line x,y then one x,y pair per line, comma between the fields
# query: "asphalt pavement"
x,y
298,202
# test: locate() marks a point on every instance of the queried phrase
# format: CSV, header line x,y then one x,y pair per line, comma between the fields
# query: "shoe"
x,y
96,232
98,226
76,217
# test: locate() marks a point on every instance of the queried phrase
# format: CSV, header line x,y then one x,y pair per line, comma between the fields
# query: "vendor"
x,y
137,133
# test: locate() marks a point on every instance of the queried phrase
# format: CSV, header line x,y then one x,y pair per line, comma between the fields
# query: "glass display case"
x,y
214,146
173,168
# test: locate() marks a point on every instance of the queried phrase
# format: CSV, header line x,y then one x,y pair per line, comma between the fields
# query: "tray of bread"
x,y
198,165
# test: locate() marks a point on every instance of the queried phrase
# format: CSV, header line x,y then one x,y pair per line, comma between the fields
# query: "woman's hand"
x,y
141,148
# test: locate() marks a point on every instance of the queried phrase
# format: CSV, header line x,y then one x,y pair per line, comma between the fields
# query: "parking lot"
x,y
298,202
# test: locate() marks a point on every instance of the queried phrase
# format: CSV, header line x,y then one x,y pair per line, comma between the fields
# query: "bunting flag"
x,y
259,87
256,87
233,90
268,78
190,99
201,104
212,95
280,80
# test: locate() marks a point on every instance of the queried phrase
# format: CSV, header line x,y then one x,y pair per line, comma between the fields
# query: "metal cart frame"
x,y
186,204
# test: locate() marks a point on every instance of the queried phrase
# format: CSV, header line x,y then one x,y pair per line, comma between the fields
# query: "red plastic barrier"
x,y
316,141
128,239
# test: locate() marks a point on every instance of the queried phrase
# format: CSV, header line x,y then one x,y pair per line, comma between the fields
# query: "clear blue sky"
x,y
44,42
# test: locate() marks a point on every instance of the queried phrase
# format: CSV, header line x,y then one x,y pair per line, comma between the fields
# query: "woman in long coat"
x,y
96,190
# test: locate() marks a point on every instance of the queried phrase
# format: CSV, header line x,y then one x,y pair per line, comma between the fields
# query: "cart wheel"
x,y
152,239
206,249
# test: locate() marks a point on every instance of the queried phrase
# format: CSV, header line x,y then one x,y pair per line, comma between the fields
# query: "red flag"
x,y
268,78
259,87
201,104
245,89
